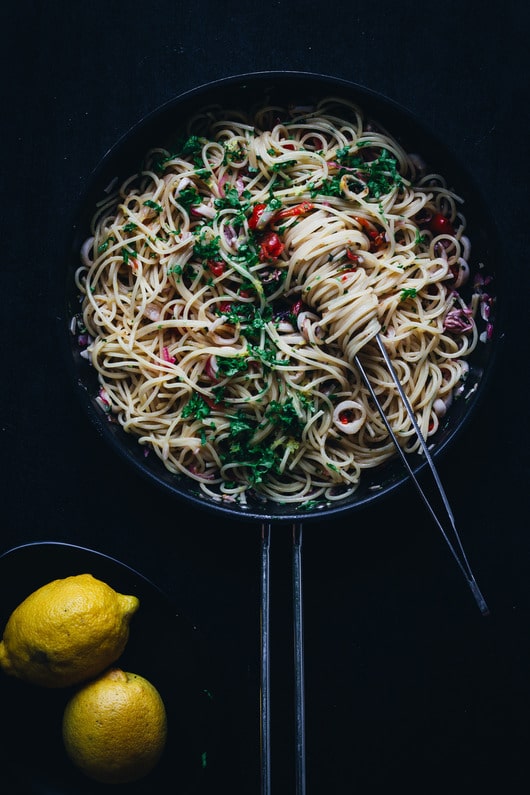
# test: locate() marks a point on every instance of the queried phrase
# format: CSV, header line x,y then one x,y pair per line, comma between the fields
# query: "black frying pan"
x,y
284,88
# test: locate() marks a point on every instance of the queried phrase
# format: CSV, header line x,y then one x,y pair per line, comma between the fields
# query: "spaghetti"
x,y
229,285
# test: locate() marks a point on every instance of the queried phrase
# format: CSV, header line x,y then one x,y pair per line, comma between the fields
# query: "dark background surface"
x,y
407,684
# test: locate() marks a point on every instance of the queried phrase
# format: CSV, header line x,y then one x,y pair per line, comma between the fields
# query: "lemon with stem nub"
x,y
115,727
67,631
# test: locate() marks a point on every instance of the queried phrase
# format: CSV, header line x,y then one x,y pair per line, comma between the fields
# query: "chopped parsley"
x,y
235,152
267,356
228,366
247,254
380,176
328,187
249,315
232,199
196,407
283,165
185,148
285,417
192,146
153,205
188,197
310,505
106,243
206,248
126,254
175,269
410,292
260,459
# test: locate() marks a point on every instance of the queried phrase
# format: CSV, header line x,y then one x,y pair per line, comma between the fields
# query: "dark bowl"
x,y
285,88
164,646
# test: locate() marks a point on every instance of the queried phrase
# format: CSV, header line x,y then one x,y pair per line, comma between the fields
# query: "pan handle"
x,y
265,749
299,682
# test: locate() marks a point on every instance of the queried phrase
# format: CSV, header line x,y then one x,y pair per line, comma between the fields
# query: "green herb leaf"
x,y
285,417
260,459
106,243
267,356
126,254
192,145
153,205
207,248
228,366
188,197
196,407
231,199
411,292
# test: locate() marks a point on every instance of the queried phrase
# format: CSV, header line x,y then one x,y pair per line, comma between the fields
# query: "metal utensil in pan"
x,y
285,88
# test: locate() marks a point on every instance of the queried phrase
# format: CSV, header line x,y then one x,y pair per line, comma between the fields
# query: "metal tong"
x,y
456,549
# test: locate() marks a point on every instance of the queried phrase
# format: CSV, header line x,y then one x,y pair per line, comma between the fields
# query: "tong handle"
x,y
461,559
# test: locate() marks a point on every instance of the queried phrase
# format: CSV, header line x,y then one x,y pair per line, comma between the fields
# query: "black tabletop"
x,y
406,682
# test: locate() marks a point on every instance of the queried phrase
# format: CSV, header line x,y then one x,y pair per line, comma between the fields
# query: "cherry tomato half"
x,y
441,225
217,267
257,212
271,247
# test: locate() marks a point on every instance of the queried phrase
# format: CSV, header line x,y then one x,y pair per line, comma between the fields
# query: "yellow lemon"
x,y
67,631
115,727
